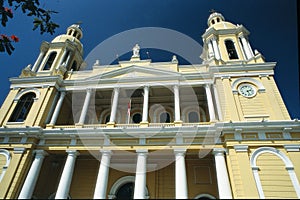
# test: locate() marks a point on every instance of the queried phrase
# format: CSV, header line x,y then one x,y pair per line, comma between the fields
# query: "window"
x,y
107,118
125,191
193,117
66,57
231,49
22,108
50,61
164,117
74,66
137,118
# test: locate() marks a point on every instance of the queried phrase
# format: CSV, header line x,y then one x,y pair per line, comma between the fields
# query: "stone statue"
x,y
136,51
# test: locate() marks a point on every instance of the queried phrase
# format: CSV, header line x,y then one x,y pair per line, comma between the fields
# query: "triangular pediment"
x,y
135,72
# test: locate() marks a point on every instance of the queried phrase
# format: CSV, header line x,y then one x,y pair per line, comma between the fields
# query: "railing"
x,y
151,125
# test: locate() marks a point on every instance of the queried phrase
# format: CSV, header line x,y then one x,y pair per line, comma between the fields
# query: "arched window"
x,y
74,66
22,108
231,49
164,117
50,61
125,191
66,57
137,118
107,118
193,117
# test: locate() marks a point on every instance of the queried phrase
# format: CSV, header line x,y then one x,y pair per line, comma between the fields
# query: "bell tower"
x,y
64,53
226,43
244,81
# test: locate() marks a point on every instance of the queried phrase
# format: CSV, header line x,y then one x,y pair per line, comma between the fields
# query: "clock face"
x,y
247,90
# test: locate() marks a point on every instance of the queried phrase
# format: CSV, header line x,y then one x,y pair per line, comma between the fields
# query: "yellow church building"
x,y
141,129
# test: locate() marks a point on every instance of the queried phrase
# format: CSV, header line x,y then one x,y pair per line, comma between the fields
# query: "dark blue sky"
x,y
272,25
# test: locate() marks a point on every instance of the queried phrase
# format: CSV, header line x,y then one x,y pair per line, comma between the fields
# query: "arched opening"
x,y
123,188
164,118
125,191
50,61
107,119
74,66
22,108
137,118
232,54
193,117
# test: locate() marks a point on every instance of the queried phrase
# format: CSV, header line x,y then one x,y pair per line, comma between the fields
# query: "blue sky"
x,y
272,25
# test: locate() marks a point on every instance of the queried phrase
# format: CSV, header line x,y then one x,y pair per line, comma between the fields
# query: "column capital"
x,y
63,93
179,152
219,151
117,88
176,86
89,90
241,148
72,152
106,152
19,150
40,153
292,147
142,152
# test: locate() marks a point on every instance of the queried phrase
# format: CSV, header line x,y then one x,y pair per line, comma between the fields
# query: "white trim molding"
x,y
255,82
6,154
121,181
288,166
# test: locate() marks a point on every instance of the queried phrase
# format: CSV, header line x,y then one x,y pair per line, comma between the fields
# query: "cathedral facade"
x,y
140,129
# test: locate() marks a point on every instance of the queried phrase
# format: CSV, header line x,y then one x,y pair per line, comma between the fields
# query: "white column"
x,y
145,105
85,106
38,61
211,108
57,108
219,110
101,184
222,174
180,175
140,176
114,105
62,57
33,174
216,48
210,49
53,105
250,49
176,103
246,47
66,177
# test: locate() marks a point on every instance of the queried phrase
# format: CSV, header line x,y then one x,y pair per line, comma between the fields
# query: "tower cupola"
x,y
227,43
64,53
75,31
215,18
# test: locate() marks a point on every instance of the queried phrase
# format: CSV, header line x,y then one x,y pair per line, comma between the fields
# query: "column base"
x,y
178,123
110,124
144,124
49,126
79,125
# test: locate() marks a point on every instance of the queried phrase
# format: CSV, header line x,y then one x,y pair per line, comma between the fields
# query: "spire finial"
x,y
212,11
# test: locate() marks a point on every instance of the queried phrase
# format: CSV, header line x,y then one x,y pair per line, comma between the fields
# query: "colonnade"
x,y
181,182
115,100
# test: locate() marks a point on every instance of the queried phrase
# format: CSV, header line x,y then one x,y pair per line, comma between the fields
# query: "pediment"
x,y
135,72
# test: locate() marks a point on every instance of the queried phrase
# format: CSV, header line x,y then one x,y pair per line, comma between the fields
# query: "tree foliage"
x,y
42,20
